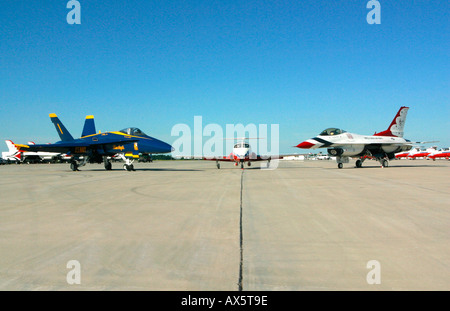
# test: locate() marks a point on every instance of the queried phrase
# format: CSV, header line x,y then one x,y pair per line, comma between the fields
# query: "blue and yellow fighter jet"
x,y
95,147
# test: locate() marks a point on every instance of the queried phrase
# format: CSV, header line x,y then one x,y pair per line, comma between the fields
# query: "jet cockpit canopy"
x,y
242,145
134,131
331,131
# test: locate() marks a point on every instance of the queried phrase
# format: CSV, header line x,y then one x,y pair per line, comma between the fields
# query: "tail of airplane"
x,y
89,126
60,128
13,152
397,125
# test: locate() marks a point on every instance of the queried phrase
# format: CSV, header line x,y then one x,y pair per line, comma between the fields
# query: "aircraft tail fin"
x,y
11,146
60,128
13,152
89,126
397,125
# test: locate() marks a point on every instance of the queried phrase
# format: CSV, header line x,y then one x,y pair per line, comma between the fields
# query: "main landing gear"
x,y
383,161
74,163
108,165
74,166
128,166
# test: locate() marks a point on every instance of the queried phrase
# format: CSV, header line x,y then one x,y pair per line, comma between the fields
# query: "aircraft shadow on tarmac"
x,y
146,169
399,166
348,167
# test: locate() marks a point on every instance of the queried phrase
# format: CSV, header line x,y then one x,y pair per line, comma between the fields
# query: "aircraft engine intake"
x,y
346,151
335,152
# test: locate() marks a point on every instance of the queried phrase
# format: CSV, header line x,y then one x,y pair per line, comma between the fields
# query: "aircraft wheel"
x,y
108,166
74,166
385,163
242,164
340,165
358,163
129,168
218,166
249,163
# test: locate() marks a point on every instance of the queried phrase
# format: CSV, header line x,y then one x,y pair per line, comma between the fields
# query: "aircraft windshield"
x,y
242,145
134,131
331,131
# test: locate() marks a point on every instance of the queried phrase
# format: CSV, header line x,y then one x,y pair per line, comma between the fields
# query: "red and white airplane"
x,y
440,154
381,146
242,153
14,154
407,154
422,153
403,155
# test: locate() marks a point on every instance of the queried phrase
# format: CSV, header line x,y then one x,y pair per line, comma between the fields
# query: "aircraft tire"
x,y
218,166
73,166
129,168
358,163
108,166
385,163
340,165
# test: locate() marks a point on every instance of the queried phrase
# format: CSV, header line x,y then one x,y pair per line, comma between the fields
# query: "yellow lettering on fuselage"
x,y
118,147
80,149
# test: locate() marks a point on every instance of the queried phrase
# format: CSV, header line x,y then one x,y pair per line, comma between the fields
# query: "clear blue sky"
x,y
305,65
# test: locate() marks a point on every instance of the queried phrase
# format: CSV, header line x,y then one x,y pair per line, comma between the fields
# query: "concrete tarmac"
x,y
185,225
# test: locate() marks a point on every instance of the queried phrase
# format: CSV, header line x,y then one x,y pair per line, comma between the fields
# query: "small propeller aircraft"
x,y
380,146
242,153
94,147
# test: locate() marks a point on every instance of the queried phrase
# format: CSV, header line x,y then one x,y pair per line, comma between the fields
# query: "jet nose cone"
x,y
305,145
163,147
168,148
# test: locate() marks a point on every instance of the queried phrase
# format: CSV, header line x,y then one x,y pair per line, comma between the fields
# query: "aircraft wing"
x,y
224,159
66,146
375,142
253,159
282,156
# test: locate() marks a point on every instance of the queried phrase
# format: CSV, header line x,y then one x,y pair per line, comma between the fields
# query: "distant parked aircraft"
x,y
442,154
422,153
242,153
14,154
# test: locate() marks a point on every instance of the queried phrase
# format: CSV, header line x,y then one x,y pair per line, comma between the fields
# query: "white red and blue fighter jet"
x,y
100,147
380,146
